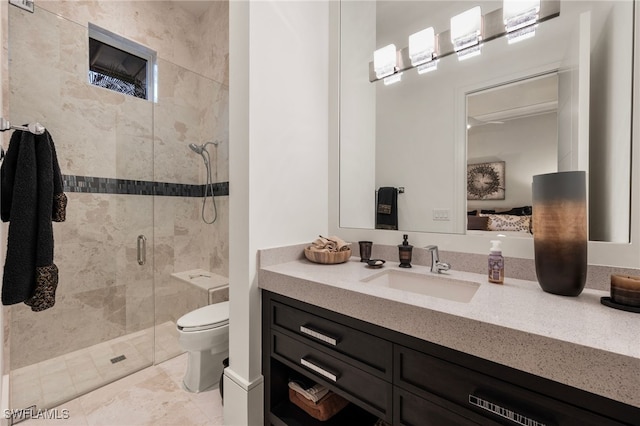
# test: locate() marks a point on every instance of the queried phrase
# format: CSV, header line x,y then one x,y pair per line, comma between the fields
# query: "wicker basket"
x,y
328,258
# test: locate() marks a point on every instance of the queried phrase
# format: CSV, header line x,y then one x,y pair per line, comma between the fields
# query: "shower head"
x,y
199,149
196,148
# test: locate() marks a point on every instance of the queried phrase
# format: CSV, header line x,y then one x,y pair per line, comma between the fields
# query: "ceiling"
x,y
521,99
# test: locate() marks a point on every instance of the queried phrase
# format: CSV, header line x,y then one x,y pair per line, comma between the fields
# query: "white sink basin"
x,y
427,284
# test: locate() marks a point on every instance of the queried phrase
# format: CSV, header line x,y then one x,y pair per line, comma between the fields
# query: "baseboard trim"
x,y
241,382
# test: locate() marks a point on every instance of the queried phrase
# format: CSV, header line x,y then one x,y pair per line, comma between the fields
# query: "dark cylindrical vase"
x,y
560,231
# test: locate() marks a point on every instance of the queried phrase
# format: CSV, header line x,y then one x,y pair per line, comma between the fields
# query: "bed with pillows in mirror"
x,y
514,221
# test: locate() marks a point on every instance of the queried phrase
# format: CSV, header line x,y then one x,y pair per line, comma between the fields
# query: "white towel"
x,y
314,393
331,244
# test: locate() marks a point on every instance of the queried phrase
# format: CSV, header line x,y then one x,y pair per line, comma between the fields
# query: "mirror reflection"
x,y
413,134
512,135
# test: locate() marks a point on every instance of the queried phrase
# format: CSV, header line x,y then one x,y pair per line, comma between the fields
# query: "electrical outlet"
x,y
441,214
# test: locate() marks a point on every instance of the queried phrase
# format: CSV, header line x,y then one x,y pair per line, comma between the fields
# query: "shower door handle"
x,y
142,249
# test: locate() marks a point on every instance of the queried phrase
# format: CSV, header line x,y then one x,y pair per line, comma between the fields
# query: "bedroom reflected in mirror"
x,y
512,135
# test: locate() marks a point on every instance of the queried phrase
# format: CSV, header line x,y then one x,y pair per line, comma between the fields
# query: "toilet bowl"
x,y
204,334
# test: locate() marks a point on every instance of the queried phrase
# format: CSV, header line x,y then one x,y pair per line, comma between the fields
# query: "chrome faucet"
x,y
436,266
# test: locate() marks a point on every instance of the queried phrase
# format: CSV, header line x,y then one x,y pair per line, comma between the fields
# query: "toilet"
x,y
204,334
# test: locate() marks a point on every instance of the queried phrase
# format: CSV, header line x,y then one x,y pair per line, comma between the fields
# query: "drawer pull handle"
x,y
503,412
319,370
327,339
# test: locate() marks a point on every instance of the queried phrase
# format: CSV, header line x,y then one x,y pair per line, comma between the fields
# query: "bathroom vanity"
x,y
512,354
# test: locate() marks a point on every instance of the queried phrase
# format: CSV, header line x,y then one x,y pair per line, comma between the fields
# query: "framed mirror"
x,y
413,134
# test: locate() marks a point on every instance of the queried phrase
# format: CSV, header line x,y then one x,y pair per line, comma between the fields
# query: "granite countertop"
x,y
572,340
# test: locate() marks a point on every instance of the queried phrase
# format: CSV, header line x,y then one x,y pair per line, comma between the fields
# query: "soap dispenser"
x,y
404,251
496,263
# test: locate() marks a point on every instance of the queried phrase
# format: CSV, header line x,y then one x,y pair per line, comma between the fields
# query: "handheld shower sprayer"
x,y
202,150
199,149
196,148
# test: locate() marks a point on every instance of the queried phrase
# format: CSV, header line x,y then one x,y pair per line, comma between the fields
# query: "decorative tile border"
x,y
91,184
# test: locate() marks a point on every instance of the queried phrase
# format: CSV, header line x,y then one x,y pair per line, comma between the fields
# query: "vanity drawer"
x,y
425,375
367,391
411,410
366,351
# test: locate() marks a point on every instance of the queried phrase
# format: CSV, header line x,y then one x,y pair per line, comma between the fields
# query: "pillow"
x,y
508,222
478,223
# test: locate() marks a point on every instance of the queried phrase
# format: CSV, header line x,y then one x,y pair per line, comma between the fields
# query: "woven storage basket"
x,y
328,258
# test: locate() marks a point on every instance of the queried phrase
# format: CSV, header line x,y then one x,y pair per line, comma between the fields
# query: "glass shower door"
x,y
101,327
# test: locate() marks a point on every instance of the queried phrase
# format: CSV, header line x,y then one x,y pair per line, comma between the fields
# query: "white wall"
x,y
278,164
528,146
358,99
610,126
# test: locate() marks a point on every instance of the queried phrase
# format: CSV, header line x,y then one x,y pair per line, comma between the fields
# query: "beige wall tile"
x,y
192,105
215,30
134,139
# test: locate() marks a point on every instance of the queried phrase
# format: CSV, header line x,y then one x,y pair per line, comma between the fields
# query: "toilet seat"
x,y
205,318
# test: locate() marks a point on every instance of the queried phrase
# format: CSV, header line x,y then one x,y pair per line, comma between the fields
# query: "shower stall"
x,y
135,190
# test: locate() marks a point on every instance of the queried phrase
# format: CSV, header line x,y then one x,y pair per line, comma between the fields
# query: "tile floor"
x,y
54,381
152,396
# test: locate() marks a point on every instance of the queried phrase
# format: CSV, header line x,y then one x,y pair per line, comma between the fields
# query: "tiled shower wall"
x,y
103,293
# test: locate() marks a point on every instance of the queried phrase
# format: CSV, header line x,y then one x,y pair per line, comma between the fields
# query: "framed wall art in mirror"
x,y
485,181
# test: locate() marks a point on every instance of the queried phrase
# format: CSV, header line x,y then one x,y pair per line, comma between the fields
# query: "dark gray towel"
x,y
387,208
30,178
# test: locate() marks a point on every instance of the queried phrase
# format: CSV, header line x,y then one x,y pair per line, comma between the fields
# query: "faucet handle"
x,y
442,266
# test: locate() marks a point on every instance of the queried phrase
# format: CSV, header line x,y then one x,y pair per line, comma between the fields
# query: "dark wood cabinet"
x,y
370,392
411,410
426,375
368,353
407,381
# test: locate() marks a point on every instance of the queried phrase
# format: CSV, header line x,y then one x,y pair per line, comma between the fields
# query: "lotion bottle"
x,y
496,263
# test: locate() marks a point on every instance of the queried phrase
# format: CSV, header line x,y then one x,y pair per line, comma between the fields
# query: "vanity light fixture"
x,y
466,33
385,61
516,20
422,50
520,19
